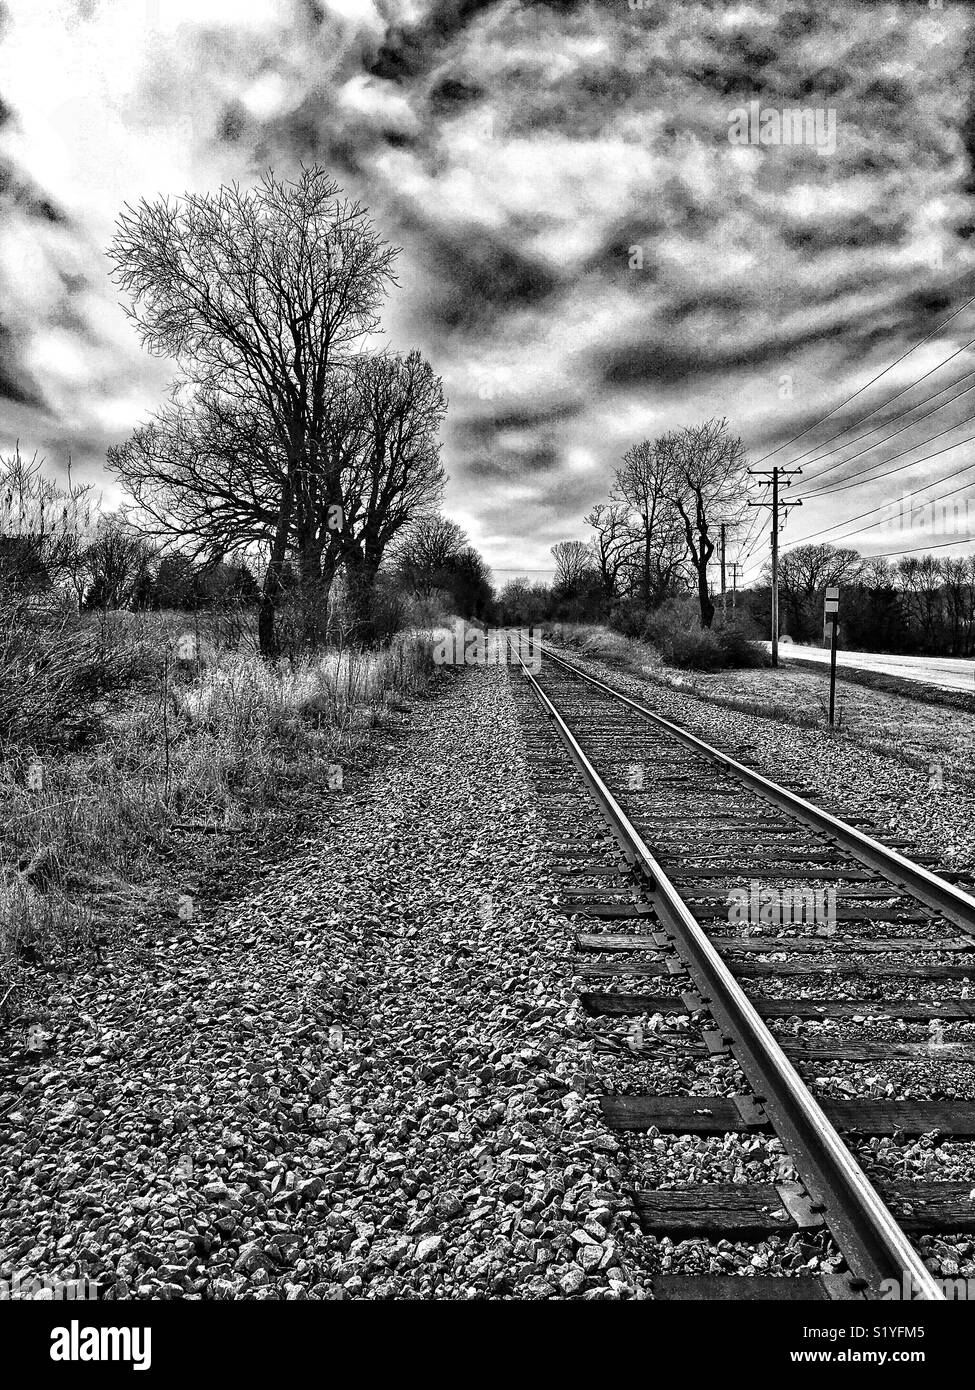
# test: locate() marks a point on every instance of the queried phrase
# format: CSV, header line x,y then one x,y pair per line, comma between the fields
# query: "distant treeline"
x,y
656,541
922,604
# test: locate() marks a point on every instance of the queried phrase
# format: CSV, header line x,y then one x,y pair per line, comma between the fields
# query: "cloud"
x,y
524,156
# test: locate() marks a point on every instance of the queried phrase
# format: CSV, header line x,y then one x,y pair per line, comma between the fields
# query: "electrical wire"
x,y
860,390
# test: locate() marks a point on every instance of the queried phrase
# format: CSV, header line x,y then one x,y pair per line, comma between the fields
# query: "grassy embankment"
x,y
120,763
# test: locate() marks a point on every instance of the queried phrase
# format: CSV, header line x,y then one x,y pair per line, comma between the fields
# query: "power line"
x,y
742,558
912,550
815,425
916,549
755,565
763,529
882,406
881,469
758,562
889,473
744,550
755,520
909,426
883,506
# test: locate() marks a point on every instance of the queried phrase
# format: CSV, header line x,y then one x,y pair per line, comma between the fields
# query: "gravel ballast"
x,y
360,1069
362,1077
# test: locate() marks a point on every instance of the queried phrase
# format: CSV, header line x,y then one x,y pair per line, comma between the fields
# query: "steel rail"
x,y
874,1246
951,902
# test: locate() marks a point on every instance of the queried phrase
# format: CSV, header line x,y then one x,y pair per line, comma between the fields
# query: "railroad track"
x,y
674,863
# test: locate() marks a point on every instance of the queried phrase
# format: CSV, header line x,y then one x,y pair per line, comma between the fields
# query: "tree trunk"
x,y
271,591
315,585
701,555
360,575
707,607
265,622
647,586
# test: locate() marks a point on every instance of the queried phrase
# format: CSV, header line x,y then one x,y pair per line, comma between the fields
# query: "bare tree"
x,y
208,475
970,602
427,551
658,548
804,574
119,562
919,577
954,577
386,470
521,602
878,573
259,294
704,471
612,543
574,566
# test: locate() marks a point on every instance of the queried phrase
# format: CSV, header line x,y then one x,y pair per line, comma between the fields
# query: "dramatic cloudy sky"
x,y
518,153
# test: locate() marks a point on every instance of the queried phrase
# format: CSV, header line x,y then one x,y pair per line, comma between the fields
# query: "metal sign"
x,y
833,618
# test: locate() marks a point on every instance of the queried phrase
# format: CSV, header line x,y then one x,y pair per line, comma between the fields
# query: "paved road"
x,y
949,673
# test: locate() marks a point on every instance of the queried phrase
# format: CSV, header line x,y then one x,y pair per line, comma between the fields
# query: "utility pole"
x,y
734,585
778,477
724,590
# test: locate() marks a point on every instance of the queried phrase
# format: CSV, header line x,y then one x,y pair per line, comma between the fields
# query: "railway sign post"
x,y
832,617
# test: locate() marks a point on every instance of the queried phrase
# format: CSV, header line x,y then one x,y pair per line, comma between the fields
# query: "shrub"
x,y
432,611
55,665
739,647
590,640
695,649
681,641
629,617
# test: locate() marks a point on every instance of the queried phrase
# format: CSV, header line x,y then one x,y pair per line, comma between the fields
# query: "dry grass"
x,y
212,743
603,644
638,658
